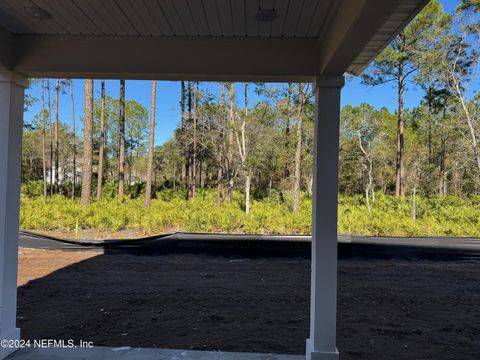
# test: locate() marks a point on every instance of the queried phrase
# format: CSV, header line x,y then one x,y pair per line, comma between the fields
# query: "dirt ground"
x,y
387,309
34,264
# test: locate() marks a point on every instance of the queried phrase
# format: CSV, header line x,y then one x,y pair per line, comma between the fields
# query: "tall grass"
x,y
450,216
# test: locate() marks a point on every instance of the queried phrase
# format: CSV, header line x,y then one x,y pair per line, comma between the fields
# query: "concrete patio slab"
x,y
127,353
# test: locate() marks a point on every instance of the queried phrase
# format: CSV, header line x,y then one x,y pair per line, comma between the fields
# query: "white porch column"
x,y
323,303
11,123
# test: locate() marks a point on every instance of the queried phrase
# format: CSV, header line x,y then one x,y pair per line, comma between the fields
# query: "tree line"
x,y
226,142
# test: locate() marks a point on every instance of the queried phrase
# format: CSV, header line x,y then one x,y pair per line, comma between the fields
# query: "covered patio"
x,y
314,41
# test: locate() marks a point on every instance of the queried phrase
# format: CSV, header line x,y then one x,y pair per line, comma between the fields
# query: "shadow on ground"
x,y
387,309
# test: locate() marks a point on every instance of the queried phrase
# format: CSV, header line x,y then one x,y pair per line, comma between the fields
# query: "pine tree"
x,y
151,146
87,143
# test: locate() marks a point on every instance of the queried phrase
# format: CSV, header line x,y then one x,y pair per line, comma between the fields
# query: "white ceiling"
x,y
222,18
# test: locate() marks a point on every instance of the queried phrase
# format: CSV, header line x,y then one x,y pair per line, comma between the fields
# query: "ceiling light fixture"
x,y
38,13
266,15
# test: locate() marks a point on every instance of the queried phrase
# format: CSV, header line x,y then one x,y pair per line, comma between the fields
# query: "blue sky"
x,y
168,94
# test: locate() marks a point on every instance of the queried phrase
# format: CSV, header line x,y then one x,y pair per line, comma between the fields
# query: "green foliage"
x,y
449,216
442,216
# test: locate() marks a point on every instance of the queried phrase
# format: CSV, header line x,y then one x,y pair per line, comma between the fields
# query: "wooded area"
x,y
229,144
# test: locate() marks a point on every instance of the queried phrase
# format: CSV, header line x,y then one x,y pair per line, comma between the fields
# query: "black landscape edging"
x,y
265,245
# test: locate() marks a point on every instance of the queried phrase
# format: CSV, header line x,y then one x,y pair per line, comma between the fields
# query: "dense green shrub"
x,y
450,216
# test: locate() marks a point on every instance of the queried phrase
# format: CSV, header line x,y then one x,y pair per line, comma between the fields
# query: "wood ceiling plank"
x,y
251,8
172,17
199,17
314,11
213,19
129,9
117,13
81,19
305,17
281,7
85,23
147,17
186,17
239,20
158,17
99,16
226,17
293,16
319,18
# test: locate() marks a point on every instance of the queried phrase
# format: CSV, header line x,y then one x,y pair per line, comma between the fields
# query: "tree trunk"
x,y
189,146
106,168
129,164
135,166
121,167
248,175
203,174
87,143
430,145
370,190
230,134
286,170
182,133
219,185
195,123
470,123
50,137
148,189
102,142
369,187
57,94
414,204
310,186
30,167
74,172
193,156
400,177
65,167
442,169
220,150
174,176
298,151
431,111
44,140
248,179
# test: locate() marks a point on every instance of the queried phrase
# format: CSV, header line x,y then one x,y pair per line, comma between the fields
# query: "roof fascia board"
x,y
356,22
169,58
358,69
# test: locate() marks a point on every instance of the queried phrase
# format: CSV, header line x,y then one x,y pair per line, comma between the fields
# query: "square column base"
x,y
320,355
13,336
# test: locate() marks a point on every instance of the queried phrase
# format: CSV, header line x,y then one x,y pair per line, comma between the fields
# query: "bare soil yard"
x,y
387,309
